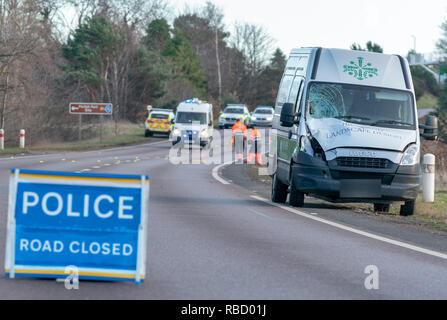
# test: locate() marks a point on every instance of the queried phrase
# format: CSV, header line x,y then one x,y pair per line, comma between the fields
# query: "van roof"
x,y
194,106
358,67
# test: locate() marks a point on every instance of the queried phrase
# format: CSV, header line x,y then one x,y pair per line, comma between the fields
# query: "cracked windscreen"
x,y
361,104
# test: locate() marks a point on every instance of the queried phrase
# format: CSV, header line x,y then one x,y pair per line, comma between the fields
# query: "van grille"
x,y
372,163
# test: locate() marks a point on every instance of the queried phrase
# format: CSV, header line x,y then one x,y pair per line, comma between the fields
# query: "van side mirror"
x,y
430,128
287,118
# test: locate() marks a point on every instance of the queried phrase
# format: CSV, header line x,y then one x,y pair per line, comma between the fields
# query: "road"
x,y
209,240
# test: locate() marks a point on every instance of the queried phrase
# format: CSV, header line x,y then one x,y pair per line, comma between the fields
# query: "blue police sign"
x,y
95,222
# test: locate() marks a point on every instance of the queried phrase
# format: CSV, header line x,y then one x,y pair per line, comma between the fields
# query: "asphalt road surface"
x,y
210,240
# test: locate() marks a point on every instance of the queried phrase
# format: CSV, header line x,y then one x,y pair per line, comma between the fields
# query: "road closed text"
x,y
76,247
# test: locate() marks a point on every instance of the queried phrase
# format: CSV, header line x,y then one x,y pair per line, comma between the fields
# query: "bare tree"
x,y
215,17
255,44
18,40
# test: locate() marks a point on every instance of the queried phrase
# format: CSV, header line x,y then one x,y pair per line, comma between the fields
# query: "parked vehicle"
x,y
233,113
347,130
160,121
193,124
262,116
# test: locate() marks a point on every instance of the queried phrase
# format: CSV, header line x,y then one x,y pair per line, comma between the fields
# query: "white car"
x,y
262,116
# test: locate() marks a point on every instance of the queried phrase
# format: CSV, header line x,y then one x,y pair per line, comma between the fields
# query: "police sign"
x,y
96,222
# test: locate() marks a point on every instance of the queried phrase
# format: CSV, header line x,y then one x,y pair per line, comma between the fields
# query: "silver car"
x,y
262,116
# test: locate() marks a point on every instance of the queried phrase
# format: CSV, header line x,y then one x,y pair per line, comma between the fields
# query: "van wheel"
x,y
279,190
381,207
148,133
296,197
408,208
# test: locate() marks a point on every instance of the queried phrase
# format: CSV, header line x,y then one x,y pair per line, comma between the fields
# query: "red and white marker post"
x,y
2,139
22,139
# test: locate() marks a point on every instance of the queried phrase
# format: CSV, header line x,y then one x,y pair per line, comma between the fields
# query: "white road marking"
x,y
356,231
29,157
215,173
260,214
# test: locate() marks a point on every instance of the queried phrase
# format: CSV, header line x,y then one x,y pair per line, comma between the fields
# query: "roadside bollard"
x,y
428,178
2,139
22,139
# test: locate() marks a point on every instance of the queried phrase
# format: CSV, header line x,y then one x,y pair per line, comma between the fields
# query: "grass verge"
x,y
430,214
436,211
427,101
131,135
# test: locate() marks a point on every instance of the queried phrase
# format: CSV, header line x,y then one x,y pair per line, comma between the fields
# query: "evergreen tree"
x,y
370,46
89,51
442,49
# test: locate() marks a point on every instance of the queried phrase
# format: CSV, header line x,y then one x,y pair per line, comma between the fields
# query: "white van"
x,y
193,124
347,130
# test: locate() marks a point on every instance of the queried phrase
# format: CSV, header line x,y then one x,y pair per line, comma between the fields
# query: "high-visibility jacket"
x,y
240,127
254,133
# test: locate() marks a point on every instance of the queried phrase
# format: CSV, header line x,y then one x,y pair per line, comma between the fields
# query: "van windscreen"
x,y
361,104
191,117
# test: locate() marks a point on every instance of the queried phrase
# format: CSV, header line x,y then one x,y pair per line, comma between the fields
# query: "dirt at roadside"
x,y
439,150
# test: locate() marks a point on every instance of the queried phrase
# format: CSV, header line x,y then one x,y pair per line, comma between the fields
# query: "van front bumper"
x,y
345,184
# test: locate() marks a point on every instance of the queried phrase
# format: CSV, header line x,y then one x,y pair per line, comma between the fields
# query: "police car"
x,y
160,121
233,113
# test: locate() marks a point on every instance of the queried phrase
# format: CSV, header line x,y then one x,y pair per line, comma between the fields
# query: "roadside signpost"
x,y
93,222
82,108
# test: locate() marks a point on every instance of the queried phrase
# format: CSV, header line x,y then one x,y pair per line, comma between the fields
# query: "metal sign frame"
x,y
31,178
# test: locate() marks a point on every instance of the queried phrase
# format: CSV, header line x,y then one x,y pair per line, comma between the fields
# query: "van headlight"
x,y
176,133
204,134
269,118
411,156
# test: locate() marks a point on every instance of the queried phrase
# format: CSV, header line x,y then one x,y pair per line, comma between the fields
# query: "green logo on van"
x,y
361,70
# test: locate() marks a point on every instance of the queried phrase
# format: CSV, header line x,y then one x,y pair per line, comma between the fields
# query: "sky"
x,y
393,24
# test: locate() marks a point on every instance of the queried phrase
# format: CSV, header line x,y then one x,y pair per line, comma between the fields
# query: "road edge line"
x,y
215,173
356,231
